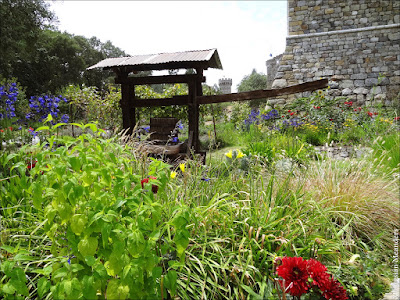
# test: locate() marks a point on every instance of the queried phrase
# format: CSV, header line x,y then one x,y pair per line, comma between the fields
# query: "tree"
x,y
21,23
252,82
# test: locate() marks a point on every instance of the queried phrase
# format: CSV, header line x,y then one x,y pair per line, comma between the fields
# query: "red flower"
x,y
31,165
333,290
330,119
294,272
370,114
359,108
292,113
318,107
317,272
397,118
355,109
1,130
375,113
283,116
289,110
154,188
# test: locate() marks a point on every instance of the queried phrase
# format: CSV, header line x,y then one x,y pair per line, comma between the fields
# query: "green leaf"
x,y
170,281
7,267
9,249
19,274
37,195
90,260
64,210
59,273
9,157
136,243
116,263
76,268
58,125
181,241
22,257
78,223
88,287
88,246
77,124
92,126
67,285
8,288
43,287
48,119
116,290
19,286
75,163
43,128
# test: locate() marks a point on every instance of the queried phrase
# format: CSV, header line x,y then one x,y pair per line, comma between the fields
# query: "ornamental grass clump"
x,y
359,191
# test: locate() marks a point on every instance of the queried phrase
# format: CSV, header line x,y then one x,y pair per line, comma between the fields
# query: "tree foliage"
x,y
252,82
44,59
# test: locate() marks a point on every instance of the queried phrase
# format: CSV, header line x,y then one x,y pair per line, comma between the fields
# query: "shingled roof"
x,y
203,59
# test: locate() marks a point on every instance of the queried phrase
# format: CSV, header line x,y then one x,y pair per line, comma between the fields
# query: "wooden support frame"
x,y
194,98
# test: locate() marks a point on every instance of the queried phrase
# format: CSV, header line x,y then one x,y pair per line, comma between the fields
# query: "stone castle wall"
x,y
311,16
355,44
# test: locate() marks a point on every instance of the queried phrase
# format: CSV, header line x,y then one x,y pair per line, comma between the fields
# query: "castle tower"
x,y
225,85
353,43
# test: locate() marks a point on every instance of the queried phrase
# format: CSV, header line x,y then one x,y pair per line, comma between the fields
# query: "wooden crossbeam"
x,y
303,87
175,100
160,79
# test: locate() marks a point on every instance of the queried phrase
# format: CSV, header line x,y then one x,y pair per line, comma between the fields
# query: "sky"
x,y
245,33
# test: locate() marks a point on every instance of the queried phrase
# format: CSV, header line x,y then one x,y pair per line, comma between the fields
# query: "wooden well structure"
x,y
199,61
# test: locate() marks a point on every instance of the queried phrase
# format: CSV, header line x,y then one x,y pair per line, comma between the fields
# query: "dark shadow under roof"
x,y
203,59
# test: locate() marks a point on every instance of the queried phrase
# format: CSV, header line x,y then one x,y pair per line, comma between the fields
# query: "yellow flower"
x,y
182,167
229,154
240,154
173,175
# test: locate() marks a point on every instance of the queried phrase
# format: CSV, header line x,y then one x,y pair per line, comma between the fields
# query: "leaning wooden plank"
x,y
303,87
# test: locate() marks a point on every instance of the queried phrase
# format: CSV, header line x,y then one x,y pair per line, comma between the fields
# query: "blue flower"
x,y
64,118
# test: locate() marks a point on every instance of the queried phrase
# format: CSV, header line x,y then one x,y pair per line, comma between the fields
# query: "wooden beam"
x,y
160,79
175,100
303,87
128,111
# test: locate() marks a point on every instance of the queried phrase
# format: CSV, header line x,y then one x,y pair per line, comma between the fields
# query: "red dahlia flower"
x,y
294,272
154,188
334,290
317,272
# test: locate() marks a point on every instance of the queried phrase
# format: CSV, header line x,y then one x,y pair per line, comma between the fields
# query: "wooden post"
x,y
193,115
128,109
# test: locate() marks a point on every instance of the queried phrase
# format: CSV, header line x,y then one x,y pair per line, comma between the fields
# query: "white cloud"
x,y
244,32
